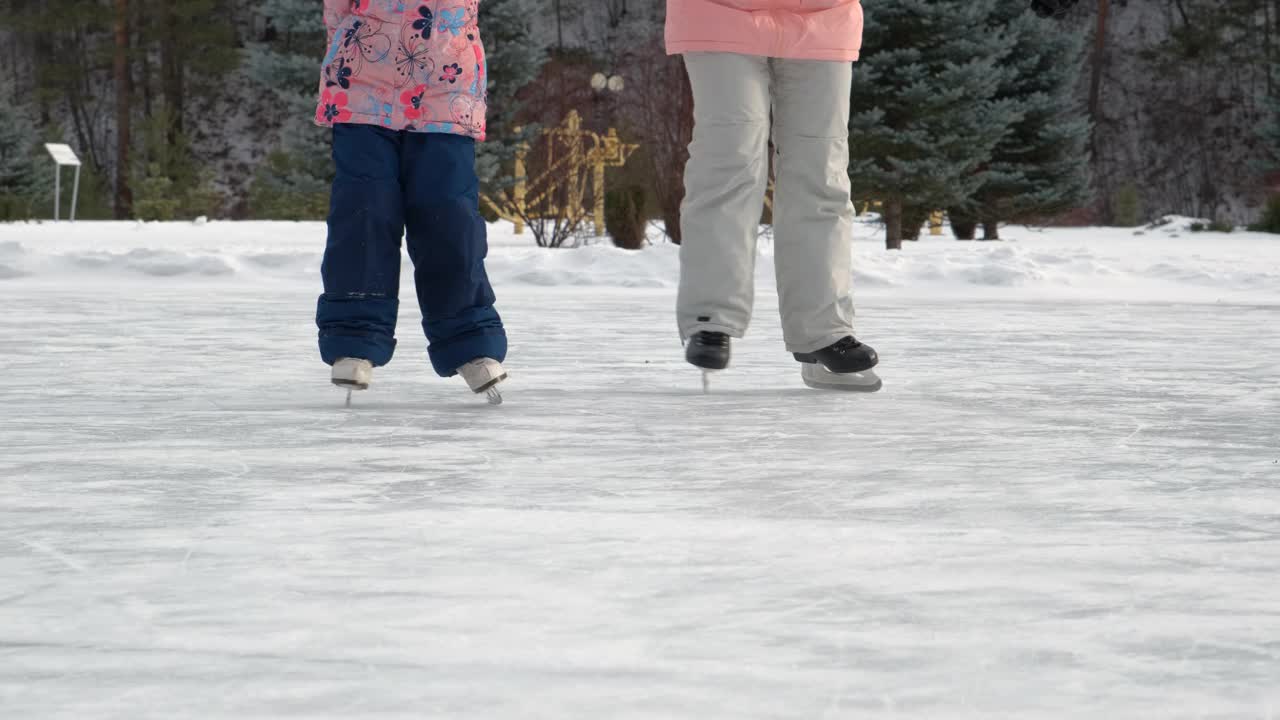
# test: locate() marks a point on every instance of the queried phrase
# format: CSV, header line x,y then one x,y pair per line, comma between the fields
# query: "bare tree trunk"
x,y
559,28
44,57
963,225
893,224
1273,29
1097,67
658,107
680,133
144,58
19,49
1266,35
80,122
913,219
1098,61
124,196
171,63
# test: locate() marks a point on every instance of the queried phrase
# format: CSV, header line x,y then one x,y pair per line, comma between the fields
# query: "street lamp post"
x,y
602,84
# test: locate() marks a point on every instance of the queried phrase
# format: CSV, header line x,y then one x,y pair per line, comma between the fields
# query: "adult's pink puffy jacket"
x,y
795,29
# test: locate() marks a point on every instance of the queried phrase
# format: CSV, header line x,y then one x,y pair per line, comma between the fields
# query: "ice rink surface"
x,y
1064,504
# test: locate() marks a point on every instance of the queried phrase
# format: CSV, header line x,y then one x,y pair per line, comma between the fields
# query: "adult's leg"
x,y
813,215
725,184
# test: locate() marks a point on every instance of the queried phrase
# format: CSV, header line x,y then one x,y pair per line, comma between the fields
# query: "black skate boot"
x,y
845,366
708,350
845,356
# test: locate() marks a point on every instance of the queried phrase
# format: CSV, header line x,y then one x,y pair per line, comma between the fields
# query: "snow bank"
x,y
1164,263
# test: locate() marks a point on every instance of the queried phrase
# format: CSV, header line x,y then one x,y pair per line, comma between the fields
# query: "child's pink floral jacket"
x,y
404,65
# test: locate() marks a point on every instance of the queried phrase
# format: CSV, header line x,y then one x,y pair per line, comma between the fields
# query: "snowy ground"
x,y
1064,504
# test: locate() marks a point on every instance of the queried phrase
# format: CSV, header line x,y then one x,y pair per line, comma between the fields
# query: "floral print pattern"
x,y
416,65
451,74
333,108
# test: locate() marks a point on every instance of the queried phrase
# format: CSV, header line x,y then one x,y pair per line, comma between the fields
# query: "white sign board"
x,y
63,154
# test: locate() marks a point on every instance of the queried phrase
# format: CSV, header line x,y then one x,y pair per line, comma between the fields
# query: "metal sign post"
x,y
64,155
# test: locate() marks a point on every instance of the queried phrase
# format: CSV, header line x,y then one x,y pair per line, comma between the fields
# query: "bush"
x,y
1270,222
169,184
1218,226
154,198
15,207
624,217
1126,207
283,189
95,202
202,199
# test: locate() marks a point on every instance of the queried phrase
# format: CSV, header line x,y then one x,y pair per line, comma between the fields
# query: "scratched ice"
x,y
1065,503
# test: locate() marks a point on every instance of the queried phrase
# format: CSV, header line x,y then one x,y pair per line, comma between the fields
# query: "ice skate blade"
x,y
489,385
490,390
819,378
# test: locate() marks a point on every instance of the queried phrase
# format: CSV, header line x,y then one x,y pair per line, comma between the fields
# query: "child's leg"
x,y
812,213
361,270
448,243
725,184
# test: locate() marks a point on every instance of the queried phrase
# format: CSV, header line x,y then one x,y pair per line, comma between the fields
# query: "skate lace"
x,y
847,344
713,339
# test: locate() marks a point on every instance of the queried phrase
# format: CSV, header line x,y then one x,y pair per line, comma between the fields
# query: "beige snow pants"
x,y
725,184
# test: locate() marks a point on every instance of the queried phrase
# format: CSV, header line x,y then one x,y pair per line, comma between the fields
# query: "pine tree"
x,y
1268,161
925,114
122,75
514,60
1269,131
20,167
1041,167
18,142
294,181
192,44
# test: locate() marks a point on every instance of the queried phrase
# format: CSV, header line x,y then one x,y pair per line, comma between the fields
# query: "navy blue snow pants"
x,y
421,186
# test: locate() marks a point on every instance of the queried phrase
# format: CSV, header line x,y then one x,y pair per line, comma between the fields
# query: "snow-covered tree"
x,y
926,116
20,167
1269,130
1269,160
18,142
294,181
1041,167
514,58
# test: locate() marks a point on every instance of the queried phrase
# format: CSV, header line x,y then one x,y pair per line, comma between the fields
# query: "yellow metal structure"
x,y
935,219
575,157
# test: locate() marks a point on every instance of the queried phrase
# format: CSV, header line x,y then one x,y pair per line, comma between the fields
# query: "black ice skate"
x,y
709,351
846,365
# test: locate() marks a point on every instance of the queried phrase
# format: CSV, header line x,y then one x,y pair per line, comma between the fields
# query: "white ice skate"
x,y
352,374
819,378
482,376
